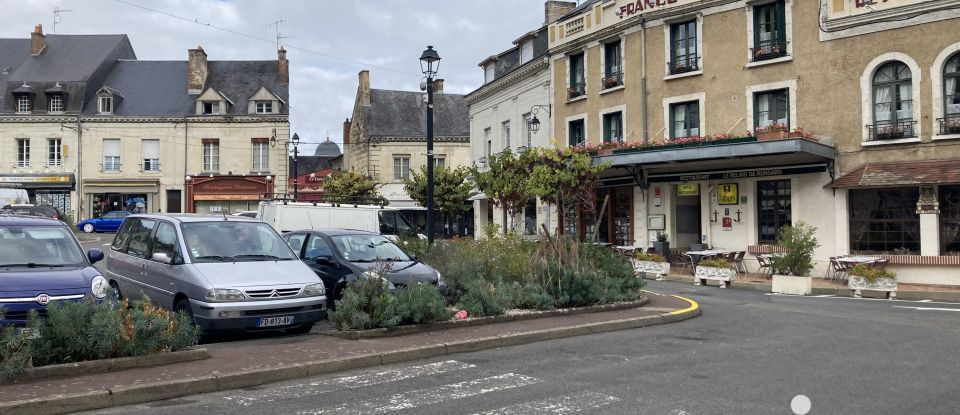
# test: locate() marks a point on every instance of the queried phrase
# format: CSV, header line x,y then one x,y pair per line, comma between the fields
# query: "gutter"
x,y
643,79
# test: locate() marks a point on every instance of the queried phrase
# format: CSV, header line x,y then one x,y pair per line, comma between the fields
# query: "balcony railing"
x,y
111,166
576,90
891,130
20,163
949,124
150,166
768,49
613,80
683,64
53,163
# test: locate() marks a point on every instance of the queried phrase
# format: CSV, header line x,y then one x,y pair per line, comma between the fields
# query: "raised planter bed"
x,y
724,275
789,284
858,284
659,269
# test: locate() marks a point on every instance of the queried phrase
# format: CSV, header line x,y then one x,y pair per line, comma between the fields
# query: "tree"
x,y
352,188
450,189
567,178
506,182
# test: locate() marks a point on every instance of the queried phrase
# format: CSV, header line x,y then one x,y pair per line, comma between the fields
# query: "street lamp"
x,y
296,174
535,122
429,64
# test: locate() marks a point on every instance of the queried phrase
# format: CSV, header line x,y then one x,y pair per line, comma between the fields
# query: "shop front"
x,y
44,189
309,186
131,195
226,194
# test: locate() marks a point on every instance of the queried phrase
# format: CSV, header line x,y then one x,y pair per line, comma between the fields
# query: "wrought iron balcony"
x,y
613,80
768,49
150,166
683,64
110,166
891,130
576,90
949,124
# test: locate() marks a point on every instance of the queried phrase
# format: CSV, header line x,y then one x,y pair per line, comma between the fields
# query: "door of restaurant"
x,y
616,221
687,214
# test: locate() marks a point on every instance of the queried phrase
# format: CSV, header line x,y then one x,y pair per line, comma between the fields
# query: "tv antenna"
x,y
57,18
276,27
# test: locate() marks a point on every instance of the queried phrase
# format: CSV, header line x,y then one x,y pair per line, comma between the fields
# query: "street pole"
x,y
430,219
296,173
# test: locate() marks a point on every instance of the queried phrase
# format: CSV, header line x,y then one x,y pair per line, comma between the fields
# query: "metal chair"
x,y
737,259
765,266
686,261
839,269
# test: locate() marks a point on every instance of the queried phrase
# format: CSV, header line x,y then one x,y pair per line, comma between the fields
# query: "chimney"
x,y
363,90
438,86
283,66
38,42
346,133
552,10
196,70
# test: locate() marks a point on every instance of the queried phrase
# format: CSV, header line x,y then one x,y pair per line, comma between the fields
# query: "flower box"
x,y
793,285
772,135
605,152
724,275
659,269
858,284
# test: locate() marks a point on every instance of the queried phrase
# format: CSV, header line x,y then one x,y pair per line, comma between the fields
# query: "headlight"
x,y
374,276
99,286
440,281
314,290
220,294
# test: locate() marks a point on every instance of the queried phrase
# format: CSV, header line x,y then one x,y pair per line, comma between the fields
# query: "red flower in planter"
x,y
461,315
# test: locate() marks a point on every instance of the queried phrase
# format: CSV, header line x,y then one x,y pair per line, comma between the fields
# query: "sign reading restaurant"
x,y
738,174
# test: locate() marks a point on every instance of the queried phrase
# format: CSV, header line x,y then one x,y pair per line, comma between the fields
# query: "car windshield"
x,y
368,248
39,246
229,241
393,223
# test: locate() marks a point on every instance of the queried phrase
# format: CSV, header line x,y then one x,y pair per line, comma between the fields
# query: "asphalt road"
x,y
749,353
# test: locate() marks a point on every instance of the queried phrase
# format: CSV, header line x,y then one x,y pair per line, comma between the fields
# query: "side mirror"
x,y
414,257
95,255
161,257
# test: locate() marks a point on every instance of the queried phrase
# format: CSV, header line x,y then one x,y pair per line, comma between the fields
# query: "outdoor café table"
x,y
859,259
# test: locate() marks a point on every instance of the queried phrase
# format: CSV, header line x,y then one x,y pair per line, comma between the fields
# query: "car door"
x,y
160,274
295,240
319,256
112,221
131,263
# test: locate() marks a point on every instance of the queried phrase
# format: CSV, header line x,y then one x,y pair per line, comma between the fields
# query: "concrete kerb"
x,y
106,365
131,394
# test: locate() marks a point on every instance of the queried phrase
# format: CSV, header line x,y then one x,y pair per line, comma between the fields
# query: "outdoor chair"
x,y
686,261
737,259
839,269
765,267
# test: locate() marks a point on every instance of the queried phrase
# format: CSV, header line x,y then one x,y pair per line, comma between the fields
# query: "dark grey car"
x,y
341,256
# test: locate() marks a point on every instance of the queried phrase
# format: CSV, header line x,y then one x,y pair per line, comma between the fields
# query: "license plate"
x,y
275,321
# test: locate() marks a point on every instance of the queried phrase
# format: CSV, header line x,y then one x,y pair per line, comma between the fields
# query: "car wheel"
x,y
88,228
115,295
303,329
184,306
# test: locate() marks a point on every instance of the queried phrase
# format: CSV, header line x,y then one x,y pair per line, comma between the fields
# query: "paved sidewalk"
x,y
273,359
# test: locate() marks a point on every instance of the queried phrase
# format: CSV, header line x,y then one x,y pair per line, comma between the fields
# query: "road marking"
x,y
824,296
924,301
557,405
929,308
105,245
693,305
423,397
347,382
863,298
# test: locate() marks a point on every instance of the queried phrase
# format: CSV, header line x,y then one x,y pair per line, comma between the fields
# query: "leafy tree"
x,y
353,188
565,177
450,189
506,182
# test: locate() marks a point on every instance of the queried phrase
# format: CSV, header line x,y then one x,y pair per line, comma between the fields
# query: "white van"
x,y
292,216
9,196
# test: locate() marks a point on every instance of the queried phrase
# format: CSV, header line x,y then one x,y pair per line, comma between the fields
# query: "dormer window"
x,y
211,108
105,105
55,103
264,107
23,103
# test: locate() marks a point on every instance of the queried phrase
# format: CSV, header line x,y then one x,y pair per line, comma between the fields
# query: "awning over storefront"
x,y
897,174
121,186
40,181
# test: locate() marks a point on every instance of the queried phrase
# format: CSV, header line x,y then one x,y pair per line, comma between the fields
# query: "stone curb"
x,y
945,296
450,324
139,393
108,365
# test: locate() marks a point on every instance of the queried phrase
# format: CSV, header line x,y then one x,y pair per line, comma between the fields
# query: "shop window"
x,y
950,220
578,83
950,123
885,221
401,167
769,31
683,47
685,119
771,108
211,155
23,152
577,134
54,152
612,65
892,103
774,209
613,127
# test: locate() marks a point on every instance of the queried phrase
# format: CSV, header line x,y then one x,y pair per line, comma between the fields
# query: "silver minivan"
x,y
229,273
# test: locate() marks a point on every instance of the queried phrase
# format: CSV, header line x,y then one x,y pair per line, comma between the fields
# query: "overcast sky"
x,y
384,36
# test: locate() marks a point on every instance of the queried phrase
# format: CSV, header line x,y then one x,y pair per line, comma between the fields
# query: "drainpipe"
x,y
643,77
183,196
79,171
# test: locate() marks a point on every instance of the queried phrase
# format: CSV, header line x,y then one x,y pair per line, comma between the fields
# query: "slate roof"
x,y
404,114
901,174
71,57
311,164
327,148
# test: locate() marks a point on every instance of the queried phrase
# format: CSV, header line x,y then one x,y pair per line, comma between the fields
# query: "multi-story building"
x,y
91,128
859,95
516,89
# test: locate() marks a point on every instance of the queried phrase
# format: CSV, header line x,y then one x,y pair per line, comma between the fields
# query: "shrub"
x,y
799,242
414,246
715,263
871,273
420,303
481,298
15,351
643,256
365,304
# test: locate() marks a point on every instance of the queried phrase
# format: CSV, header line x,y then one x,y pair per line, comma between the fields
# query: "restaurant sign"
x,y
59,178
229,186
735,174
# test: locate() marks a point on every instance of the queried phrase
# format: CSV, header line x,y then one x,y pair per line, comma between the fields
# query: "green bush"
x,y
481,298
715,263
15,351
654,257
420,303
871,273
365,304
414,246
799,242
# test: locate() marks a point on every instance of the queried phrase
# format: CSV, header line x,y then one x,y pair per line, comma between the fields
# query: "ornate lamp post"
x,y
430,64
296,174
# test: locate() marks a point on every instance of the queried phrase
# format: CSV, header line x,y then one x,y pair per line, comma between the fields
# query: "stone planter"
x,y
658,269
789,284
724,275
858,284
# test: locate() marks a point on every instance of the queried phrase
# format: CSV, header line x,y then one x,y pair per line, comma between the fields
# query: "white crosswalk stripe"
x,y
347,382
423,397
557,405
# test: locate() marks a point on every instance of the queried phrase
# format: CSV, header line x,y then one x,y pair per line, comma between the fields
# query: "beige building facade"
x,y
726,120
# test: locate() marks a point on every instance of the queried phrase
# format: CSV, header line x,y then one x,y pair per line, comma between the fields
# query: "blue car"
x,y
108,222
41,262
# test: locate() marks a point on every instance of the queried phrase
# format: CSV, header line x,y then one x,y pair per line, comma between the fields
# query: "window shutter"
x,y
151,149
111,147
781,22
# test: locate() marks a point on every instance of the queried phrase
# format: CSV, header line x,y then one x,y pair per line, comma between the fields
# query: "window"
x,y
527,132
296,242
317,247
769,31
55,103
486,136
105,105
530,217
685,119
150,150
140,237
23,152
401,167
892,102
576,131
211,107
773,207
578,85
683,47
506,134
950,123
885,221
23,103
54,152
264,107
440,161
613,127
111,154
260,156
612,67
165,241
949,220
526,51
488,72
211,155
771,107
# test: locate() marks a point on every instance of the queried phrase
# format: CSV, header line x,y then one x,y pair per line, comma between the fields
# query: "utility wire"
x,y
196,21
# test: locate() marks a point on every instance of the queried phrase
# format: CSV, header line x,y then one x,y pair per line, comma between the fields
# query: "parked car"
x,y
42,262
228,273
45,211
291,216
341,256
108,222
246,213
